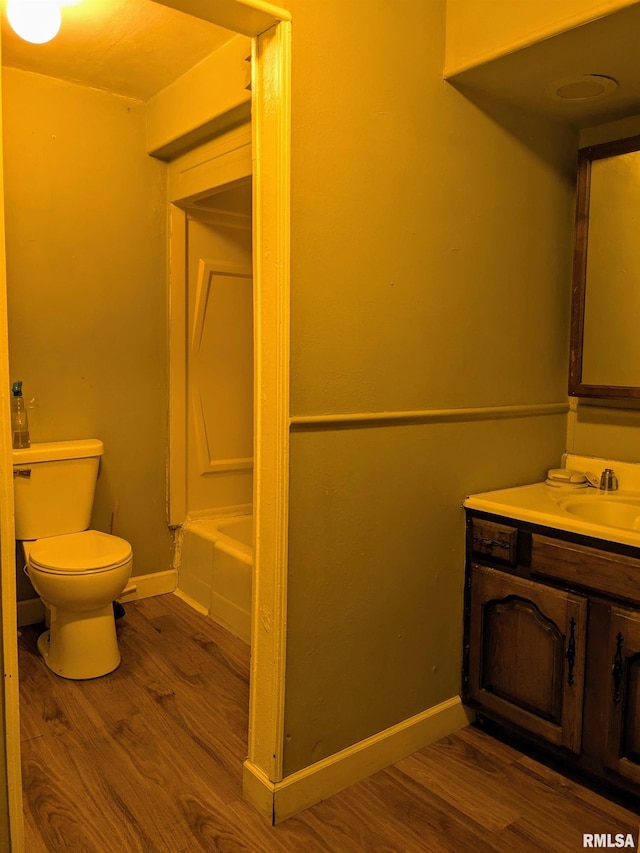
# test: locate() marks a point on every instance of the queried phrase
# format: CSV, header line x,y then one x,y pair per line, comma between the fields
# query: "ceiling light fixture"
x,y
35,21
582,87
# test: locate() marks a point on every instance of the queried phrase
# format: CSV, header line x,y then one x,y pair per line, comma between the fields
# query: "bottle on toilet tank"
x,y
19,419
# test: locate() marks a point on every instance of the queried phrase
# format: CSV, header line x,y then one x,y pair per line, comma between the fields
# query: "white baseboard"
x,y
31,610
144,586
280,800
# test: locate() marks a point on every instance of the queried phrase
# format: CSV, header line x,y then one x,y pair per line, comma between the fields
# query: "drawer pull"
x,y
496,541
491,543
616,670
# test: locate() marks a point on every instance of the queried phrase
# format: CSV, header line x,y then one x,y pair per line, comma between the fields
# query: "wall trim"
x,y
281,800
209,167
145,586
299,423
271,126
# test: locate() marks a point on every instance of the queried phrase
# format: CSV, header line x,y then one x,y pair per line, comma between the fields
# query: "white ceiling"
x,y
130,47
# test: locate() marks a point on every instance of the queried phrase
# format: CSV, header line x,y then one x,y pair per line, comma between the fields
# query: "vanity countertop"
x,y
574,510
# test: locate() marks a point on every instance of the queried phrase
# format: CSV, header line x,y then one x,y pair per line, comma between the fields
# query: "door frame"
x,y
270,30
10,752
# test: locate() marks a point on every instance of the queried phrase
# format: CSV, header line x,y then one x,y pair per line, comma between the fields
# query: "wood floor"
x,y
149,759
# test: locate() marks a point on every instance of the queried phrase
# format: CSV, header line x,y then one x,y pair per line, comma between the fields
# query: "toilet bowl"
x,y
78,576
76,571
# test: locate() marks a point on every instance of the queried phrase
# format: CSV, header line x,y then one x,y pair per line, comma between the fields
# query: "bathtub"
x,y
215,565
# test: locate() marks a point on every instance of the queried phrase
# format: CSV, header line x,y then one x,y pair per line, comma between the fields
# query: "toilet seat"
x,y
88,552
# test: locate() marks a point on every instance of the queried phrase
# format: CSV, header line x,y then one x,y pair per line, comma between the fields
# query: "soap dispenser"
x,y
19,419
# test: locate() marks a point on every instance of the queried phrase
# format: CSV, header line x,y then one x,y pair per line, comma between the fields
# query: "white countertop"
x,y
541,504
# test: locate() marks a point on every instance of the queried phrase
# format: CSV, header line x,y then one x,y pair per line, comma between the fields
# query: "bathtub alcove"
x,y
211,449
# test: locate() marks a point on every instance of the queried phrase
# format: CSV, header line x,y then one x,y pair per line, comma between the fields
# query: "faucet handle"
x,y
608,480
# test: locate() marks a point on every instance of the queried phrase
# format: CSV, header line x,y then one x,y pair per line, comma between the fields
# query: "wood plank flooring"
x,y
149,759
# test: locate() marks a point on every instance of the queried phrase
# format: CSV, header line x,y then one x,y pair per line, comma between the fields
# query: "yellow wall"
x,y
86,250
479,30
431,255
610,430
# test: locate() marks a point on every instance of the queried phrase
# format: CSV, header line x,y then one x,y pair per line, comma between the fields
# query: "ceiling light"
x,y
582,87
35,21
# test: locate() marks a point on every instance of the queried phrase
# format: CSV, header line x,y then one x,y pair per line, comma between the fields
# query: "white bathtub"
x,y
215,567
239,529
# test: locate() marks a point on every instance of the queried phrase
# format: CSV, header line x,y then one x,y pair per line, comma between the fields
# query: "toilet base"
x,y
80,645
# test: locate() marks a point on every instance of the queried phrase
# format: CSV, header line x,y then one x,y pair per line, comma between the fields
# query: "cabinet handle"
x,y
571,651
616,670
490,543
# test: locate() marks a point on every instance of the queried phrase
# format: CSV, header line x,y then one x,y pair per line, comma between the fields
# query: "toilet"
x,y
77,572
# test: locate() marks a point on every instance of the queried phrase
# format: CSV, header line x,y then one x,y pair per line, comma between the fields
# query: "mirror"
x,y
605,301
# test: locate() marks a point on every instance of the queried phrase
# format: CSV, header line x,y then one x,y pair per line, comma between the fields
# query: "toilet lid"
x,y
90,550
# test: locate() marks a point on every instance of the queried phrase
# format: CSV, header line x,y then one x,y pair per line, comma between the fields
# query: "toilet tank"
x,y
53,486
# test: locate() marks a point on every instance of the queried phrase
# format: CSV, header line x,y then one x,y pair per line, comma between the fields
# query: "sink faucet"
x,y
608,480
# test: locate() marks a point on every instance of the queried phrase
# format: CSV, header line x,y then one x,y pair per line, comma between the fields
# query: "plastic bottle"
x,y
19,419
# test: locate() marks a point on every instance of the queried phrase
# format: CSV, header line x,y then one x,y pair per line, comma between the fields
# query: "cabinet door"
x,y
622,694
527,654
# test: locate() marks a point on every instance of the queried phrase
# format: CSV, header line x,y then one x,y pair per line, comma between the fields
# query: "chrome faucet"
x,y
608,480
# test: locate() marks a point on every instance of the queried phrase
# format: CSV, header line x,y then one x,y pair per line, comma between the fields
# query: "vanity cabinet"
x,y
552,643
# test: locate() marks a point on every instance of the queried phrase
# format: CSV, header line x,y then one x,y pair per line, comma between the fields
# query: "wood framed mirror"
x,y
605,299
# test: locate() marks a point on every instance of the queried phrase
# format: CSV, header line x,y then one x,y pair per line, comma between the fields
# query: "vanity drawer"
x,y
490,539
611,574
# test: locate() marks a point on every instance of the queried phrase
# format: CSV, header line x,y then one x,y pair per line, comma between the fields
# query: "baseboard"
x,y
145,586
281,800
31,610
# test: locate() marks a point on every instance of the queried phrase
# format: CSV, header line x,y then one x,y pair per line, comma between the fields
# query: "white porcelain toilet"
x,y
77,572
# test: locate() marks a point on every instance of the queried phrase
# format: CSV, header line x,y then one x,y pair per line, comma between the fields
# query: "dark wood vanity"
x,y
552,643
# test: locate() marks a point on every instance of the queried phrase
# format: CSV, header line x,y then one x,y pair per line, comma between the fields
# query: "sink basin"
x,y
603,509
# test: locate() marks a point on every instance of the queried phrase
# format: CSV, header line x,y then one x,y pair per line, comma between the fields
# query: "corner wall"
x,y
86,258
431,253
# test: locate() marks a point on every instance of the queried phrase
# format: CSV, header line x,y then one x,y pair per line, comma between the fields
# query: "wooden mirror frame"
x,y
577,388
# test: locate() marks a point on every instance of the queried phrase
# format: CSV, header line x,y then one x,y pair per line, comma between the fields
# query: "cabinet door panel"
x,y
522,659
526,658
623,694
